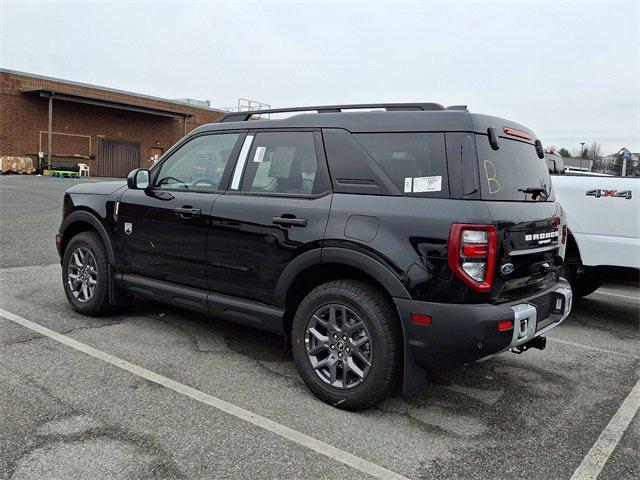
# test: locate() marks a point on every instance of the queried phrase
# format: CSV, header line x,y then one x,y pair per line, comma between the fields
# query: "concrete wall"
x,y
578,163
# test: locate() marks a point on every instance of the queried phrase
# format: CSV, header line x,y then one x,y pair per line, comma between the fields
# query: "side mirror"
x,y
138,179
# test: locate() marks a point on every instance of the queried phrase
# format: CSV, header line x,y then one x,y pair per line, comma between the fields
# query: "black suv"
x,y
380,243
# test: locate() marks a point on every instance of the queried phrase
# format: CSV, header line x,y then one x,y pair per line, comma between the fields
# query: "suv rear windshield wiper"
x,y
535,191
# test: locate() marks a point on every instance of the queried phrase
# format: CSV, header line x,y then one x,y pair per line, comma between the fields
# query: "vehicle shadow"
x,y
250,342
466,386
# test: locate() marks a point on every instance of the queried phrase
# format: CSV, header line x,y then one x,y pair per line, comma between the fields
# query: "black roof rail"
x,y
390,107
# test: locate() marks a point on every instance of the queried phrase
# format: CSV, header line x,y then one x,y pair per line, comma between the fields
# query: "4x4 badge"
x,y
602,193
128,228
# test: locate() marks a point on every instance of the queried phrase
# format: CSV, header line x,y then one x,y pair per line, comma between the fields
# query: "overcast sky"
x,y
568,70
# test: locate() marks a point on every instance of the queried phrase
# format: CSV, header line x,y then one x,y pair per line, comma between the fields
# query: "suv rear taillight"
x,y
562,231
472,254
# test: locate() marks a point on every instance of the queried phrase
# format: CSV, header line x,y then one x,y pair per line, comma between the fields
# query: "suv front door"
x,y
276,208
162,230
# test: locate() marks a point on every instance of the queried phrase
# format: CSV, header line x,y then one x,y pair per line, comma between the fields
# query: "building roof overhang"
x,y
91,100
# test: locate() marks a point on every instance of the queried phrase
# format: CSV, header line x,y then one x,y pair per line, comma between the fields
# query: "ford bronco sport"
x,y
379,243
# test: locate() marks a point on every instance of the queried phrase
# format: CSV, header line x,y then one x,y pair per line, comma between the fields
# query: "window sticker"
x,y
427,184
408,184
490,172
281,162
259,155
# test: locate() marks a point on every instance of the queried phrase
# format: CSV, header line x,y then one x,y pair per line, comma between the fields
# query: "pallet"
x,y
61,173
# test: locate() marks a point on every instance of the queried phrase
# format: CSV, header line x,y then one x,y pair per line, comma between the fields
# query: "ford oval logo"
x,y
507,268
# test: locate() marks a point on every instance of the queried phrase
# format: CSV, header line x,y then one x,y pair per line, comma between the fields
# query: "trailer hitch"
x,y
537,342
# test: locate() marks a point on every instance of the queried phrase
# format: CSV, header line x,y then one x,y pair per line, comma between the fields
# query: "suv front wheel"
x,y
85,274
346,342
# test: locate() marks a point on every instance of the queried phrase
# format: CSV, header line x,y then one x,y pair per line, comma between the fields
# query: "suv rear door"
x,y
528,220
275,209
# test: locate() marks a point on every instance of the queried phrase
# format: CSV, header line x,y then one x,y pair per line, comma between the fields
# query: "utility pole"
x,y
49,131
581,153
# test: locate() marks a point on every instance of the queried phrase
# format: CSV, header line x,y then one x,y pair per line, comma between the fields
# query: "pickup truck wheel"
x,y
85,274
582,281
346,342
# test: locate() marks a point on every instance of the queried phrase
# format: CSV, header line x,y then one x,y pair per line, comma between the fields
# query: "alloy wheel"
x,y
82,274
338,346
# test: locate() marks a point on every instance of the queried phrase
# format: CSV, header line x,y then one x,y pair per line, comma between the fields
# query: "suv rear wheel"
x,y
85,274
583,282
346,341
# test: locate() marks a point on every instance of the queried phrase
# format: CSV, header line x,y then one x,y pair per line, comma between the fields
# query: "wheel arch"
x,y
318,266
82,221
331,262
572,254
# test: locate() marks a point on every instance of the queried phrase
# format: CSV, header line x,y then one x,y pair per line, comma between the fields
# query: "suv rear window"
x,y
515,166
282,162
415,162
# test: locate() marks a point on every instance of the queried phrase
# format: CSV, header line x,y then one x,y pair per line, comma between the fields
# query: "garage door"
x,y
116,158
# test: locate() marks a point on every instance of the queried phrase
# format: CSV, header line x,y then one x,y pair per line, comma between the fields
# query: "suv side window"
x,y
282,162
199,164
415,162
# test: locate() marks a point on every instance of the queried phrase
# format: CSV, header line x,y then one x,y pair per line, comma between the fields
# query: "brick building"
x,y
110,130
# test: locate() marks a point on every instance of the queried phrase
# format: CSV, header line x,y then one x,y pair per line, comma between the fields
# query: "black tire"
x,y
583,282
98,303
383,329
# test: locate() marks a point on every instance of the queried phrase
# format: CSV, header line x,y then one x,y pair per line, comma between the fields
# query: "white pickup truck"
x,y
603,218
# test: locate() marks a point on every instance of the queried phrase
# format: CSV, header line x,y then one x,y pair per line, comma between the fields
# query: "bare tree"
x,y
594,151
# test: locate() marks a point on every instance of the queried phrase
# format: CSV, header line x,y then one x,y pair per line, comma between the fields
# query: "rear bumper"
x,y
528,324
460,334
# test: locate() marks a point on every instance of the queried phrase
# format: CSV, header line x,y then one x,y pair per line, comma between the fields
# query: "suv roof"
x,y
398,117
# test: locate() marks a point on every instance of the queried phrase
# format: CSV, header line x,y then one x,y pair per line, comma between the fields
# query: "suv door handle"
x,y
187,212
290,221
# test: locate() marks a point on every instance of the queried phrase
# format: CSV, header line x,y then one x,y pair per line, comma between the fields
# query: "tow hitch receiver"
x,y
537,342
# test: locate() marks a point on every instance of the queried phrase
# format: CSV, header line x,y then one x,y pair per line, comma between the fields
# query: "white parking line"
x,y
299,438
595,349
595,460
629,297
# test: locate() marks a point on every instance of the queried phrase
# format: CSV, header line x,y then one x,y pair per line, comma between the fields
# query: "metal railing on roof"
x,y
246,105
389,107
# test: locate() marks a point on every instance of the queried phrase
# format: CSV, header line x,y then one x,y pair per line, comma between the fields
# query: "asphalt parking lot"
x,y
227,401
